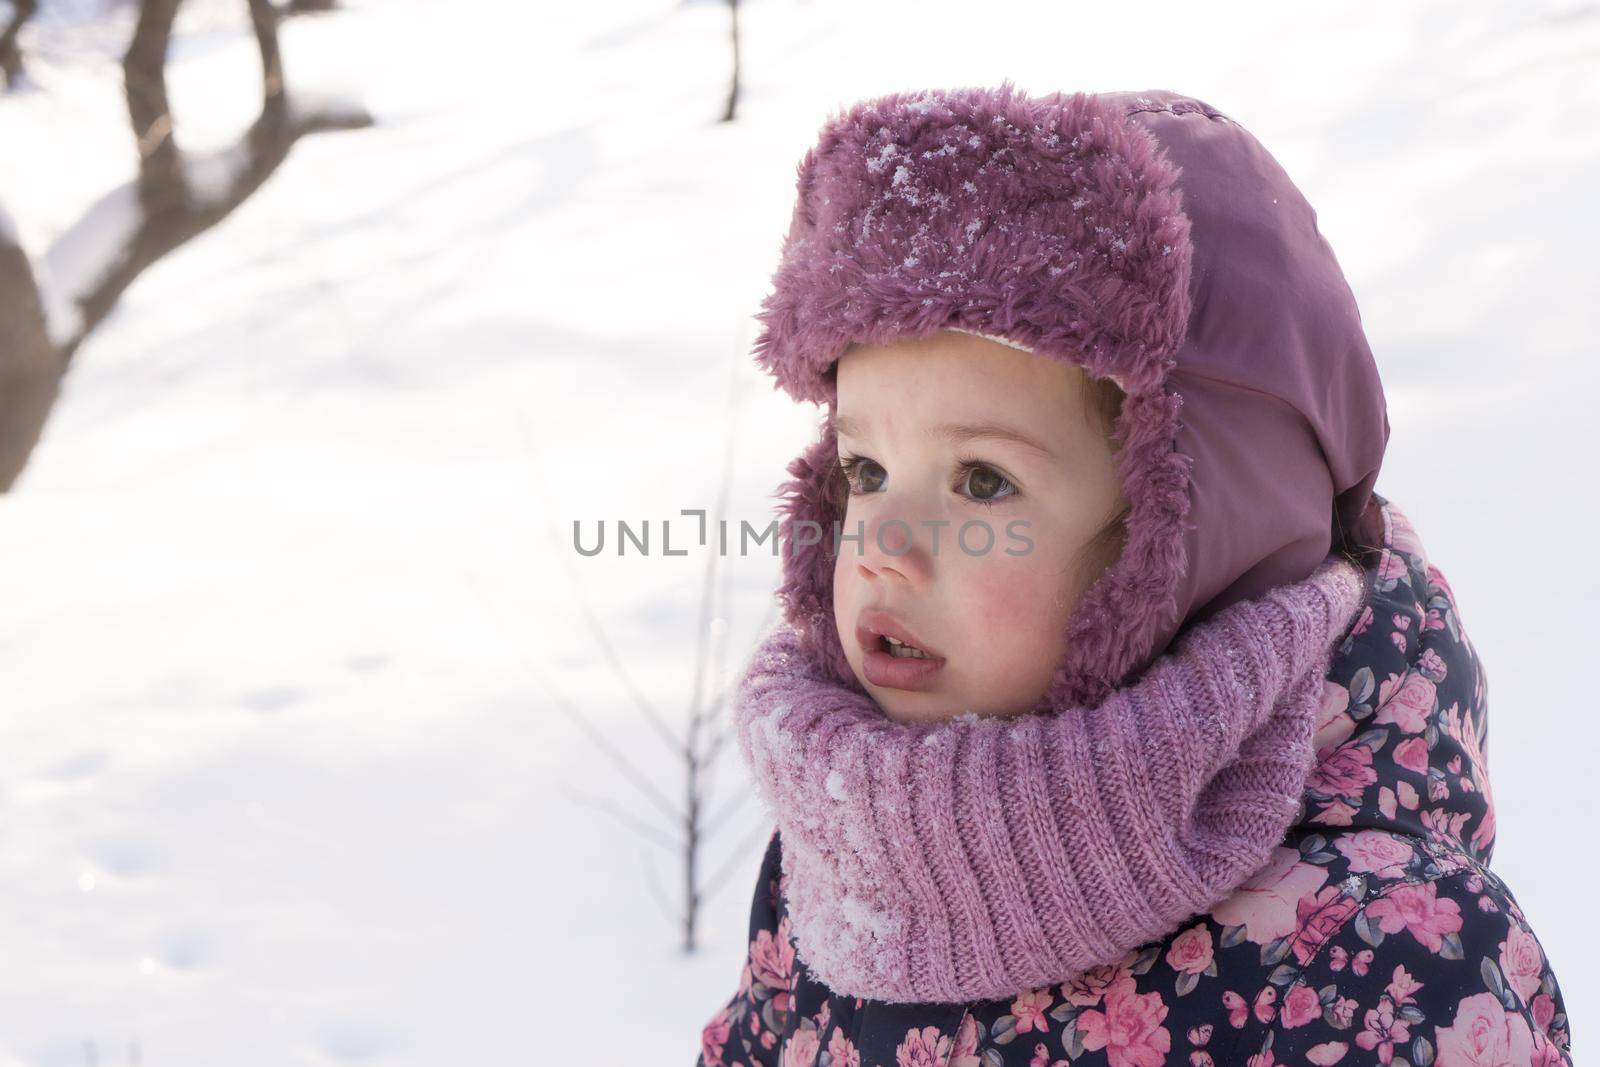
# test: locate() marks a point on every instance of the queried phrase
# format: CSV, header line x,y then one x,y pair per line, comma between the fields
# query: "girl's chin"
x,y
930,708
909,708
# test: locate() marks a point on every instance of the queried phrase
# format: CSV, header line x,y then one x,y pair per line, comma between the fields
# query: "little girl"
x,y
1114,717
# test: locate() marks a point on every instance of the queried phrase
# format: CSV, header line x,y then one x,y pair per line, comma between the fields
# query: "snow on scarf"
x,y
974,857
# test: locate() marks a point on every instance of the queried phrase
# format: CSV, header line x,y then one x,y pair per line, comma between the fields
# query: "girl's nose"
x,y
892,544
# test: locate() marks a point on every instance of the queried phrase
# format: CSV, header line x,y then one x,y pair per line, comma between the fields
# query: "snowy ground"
x,y
288,607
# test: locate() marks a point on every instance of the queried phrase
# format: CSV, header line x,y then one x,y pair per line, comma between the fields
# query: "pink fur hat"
x,y
1144,237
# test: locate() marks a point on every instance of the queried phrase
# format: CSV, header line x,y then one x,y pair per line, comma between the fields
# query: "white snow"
x,y
290,618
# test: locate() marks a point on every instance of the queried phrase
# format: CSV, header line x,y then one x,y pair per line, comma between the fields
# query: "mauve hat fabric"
x,y
1145,237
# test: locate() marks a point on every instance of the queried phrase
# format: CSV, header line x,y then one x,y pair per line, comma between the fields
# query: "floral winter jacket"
x,y
1376,935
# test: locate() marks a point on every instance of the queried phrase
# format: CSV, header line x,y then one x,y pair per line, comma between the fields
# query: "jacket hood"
x,y
1144,237
1401,736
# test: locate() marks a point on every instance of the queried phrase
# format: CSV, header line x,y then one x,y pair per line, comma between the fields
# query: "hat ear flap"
x,y
811,504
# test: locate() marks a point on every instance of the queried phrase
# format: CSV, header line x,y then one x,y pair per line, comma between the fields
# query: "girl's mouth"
x,y
890,657
896,647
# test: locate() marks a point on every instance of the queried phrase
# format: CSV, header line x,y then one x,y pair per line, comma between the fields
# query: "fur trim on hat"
x,y
1053,222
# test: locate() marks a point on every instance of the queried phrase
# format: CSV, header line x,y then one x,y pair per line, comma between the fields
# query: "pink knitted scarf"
x,y
976,858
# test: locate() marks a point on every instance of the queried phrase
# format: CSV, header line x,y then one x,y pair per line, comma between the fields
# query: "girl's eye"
x,y
979,482
985,484
864,475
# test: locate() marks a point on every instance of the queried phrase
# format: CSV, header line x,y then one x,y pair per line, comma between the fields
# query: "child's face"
x,y
990,606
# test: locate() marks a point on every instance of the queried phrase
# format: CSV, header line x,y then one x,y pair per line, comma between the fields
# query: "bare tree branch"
x,y
657,890
705,732
661,837
733,803
608,650
760,833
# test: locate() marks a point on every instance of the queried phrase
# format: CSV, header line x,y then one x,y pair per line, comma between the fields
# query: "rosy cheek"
x,y
1013,613
845,589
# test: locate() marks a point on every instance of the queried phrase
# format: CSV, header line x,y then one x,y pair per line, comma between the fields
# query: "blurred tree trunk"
x,y
29,364
144,79
733,88
31,361
10,51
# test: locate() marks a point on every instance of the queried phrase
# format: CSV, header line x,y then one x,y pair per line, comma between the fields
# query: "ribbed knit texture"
x,y
980,857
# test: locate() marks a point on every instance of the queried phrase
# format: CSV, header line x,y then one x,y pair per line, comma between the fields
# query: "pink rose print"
x,y
1266,904
1522,961
1484,834
1333,725
965,1053
1545,1053
1383,1029
1544,1010
1429,662
1471,731
1391,568
842,1052
1191,951
714,1038
1030,1011
772,958
1403,535
1409,706
1319,917
1402,987
1484,1034
1375,852
1301,1006
1343,1011
1091,985
922,1048
1417,908
1327,1053
1344,772
1362,622
1041,1058
1129,1028
801,1049
1444,827
1335,813
1412,754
